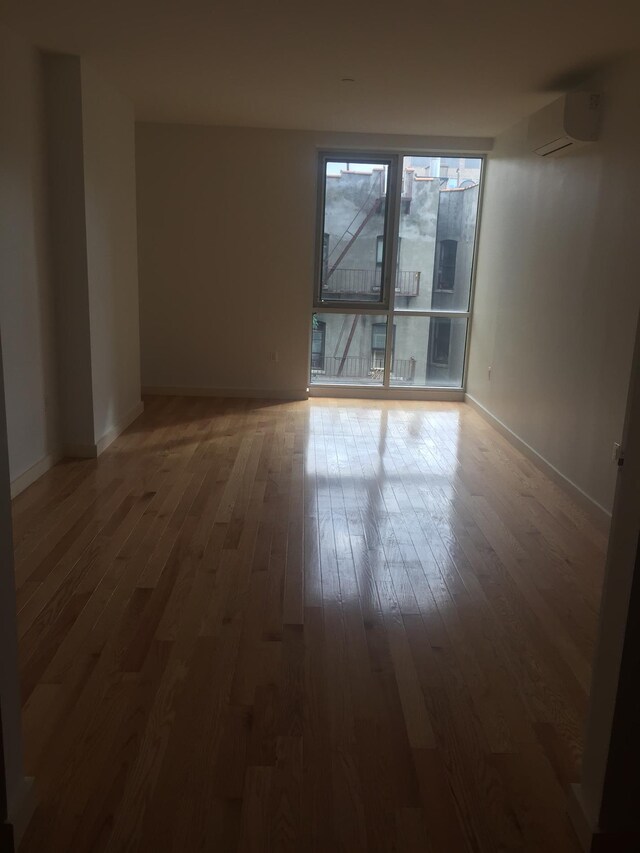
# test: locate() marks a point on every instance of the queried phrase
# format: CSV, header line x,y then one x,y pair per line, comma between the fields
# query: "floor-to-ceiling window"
x,y
396,242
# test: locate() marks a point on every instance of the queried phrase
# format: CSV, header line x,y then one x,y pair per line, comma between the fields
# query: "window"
x,y
325,255
354,226
440,340
341,349
379,260
379,343
446,264
318,338
379,250
395,252
378,336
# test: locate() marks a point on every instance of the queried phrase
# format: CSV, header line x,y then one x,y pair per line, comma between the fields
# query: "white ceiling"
x,y
454,67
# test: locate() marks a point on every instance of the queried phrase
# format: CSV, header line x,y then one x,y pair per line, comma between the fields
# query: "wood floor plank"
x,y
326,625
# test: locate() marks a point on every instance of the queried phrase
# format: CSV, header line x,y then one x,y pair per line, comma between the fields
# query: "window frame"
x,y
320,303
393,207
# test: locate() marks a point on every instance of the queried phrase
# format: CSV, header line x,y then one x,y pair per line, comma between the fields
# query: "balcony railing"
x,y
367,282
360,367
407,283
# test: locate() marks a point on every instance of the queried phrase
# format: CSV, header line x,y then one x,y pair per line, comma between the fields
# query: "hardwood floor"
x,y
312,626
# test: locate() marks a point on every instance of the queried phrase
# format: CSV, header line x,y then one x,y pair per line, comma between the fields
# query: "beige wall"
x,y
226,223
557,291
26,292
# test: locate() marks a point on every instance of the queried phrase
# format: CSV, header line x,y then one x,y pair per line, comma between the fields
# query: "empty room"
x,y
319,427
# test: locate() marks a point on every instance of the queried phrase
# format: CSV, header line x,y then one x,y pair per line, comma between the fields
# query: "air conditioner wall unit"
x,y
566,124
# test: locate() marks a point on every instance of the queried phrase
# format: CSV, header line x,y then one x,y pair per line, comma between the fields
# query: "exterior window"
x,y
378,336
318,338
379,256
325,255
446,266
440,340
379,251
379,343
380,248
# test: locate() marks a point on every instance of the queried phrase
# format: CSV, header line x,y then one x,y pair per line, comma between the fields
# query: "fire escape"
x,y
370,206
361,282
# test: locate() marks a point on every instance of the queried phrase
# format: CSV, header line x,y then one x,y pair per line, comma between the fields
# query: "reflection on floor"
x,y
311,626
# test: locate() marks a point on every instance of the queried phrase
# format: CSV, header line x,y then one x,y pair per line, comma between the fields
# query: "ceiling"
x,y
455,67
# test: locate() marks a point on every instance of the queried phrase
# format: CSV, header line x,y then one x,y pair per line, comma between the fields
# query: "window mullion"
x,y
391,238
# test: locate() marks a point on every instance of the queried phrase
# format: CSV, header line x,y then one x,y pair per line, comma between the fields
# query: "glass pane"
x,y
438,216
428,351
353,241
348,349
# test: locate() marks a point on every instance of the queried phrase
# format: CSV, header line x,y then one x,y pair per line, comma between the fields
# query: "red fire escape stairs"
x,y
370,206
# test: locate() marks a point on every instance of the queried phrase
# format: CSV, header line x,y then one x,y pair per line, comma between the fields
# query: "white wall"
x,y
557,292
112,259
91,148
68,256
26,294
67,245
68,228
13,782
226,223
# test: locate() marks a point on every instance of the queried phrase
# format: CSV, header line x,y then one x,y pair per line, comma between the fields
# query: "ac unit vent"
x,y
555,147
566,124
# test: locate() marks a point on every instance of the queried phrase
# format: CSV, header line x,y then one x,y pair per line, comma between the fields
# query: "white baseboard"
x,y
253,393
22,809
366,392
92,451
598,512
34,473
